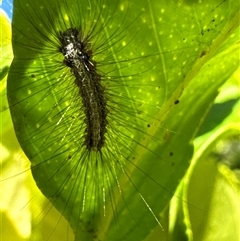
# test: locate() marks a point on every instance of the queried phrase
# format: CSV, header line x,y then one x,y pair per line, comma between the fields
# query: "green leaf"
x,y
201,210
190,50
